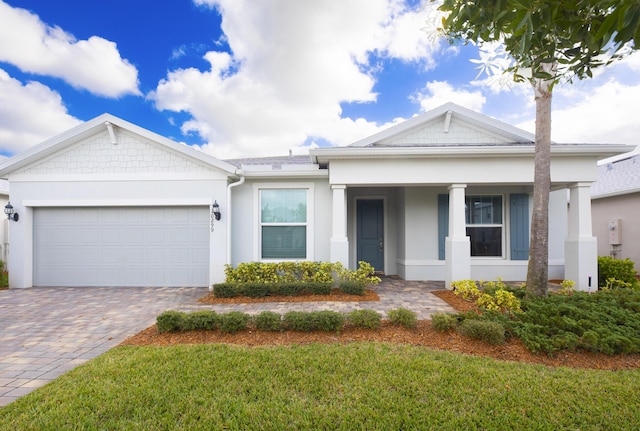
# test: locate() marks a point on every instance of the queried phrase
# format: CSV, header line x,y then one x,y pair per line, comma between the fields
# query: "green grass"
x,y
370,386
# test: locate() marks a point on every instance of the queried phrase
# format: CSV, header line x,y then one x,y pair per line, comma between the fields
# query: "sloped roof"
x,y
270,161
103,122
617,178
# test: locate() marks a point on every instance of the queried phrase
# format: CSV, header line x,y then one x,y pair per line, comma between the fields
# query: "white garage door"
x,y
150,246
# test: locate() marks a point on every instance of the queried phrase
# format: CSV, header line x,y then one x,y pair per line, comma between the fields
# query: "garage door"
x,y
150,246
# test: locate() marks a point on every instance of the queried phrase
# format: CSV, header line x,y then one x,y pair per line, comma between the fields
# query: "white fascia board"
x,y
318,173
324,155
95,125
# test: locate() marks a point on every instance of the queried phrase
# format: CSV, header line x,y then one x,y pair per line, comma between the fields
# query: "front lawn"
x,y
324,386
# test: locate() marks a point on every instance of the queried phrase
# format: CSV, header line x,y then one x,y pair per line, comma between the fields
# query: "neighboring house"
x,y
443,196
615,206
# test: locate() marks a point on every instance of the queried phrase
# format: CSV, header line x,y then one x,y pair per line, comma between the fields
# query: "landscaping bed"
x,y
423,335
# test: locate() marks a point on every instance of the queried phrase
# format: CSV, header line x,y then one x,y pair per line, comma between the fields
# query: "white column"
x,y
457,244
581,247
339,241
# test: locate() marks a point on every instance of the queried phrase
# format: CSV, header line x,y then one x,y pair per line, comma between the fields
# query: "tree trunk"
x,y
538,270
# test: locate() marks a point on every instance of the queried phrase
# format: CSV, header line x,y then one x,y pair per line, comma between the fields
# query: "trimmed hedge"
x,y
261,290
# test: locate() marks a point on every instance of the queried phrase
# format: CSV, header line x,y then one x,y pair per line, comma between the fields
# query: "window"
x,y
283,223
483,215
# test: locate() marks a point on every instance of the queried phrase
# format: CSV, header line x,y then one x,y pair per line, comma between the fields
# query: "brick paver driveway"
x,y
45,332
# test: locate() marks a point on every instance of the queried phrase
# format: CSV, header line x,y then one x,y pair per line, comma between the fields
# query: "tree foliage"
x,y
549,41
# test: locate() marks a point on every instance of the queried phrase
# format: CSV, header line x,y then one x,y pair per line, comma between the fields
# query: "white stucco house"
x,y
443,196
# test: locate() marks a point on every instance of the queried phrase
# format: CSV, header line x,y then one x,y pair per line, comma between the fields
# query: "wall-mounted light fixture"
x,y
11,214
215,209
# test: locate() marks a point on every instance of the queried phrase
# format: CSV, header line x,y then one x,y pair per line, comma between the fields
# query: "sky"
x,y
247,78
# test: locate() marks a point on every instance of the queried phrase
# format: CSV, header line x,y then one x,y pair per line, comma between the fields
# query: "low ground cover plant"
x,y
258,279
607,321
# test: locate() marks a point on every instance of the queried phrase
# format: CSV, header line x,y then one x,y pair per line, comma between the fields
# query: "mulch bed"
x,y
423,335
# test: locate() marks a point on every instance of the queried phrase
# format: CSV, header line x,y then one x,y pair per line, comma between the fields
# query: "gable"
x,y
445,132
110,145
448,125
130,153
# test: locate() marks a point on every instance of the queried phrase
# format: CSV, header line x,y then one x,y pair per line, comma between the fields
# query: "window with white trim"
x,y
484,220
283,223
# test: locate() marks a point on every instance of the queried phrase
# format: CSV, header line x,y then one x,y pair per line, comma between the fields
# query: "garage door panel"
x,y
153,246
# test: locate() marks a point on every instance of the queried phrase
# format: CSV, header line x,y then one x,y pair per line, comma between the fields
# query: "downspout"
x,y
240,173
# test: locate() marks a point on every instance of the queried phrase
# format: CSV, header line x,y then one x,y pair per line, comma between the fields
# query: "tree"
x,y
548,41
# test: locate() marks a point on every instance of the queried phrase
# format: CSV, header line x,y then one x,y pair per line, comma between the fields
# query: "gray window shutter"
x,y
443,223
519,226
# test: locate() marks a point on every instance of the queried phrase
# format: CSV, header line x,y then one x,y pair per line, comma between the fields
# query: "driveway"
x,y
45,332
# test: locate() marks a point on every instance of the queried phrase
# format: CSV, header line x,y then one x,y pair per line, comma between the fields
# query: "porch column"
x,y
581,247
457,244
339,241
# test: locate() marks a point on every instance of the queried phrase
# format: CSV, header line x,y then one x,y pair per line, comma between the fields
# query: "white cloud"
x,y
603,109
437,93
292,65
19,127
93,64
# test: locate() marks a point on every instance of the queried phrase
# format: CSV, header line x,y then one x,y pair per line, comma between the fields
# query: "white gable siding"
x,y
433,133
131,154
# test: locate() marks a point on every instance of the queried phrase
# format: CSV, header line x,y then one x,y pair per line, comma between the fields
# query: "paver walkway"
x,y
45,332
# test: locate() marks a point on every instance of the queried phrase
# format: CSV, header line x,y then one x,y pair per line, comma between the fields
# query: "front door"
x,y
370,236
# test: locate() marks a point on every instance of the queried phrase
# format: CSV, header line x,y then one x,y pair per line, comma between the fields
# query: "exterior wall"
x,y
4,231
420,230
456,170
96,172
626,208
245,218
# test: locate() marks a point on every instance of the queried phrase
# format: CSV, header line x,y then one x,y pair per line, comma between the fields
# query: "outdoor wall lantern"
x,y
215,209
11,215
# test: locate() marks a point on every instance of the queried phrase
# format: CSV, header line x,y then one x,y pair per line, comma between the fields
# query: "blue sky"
x,y
241,78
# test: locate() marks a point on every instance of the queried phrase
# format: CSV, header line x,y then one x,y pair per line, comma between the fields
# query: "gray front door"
x,y
370,238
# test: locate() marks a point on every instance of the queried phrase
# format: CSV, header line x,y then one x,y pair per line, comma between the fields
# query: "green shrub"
x,y
268,321
233,321
487,331
468,289
290,289
329,321
204,319
566,287
298,321
500,300
227,290
256,290
368,319
352,287
618,270
319,287
364,274
444,321
171,321
403,317
313,321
